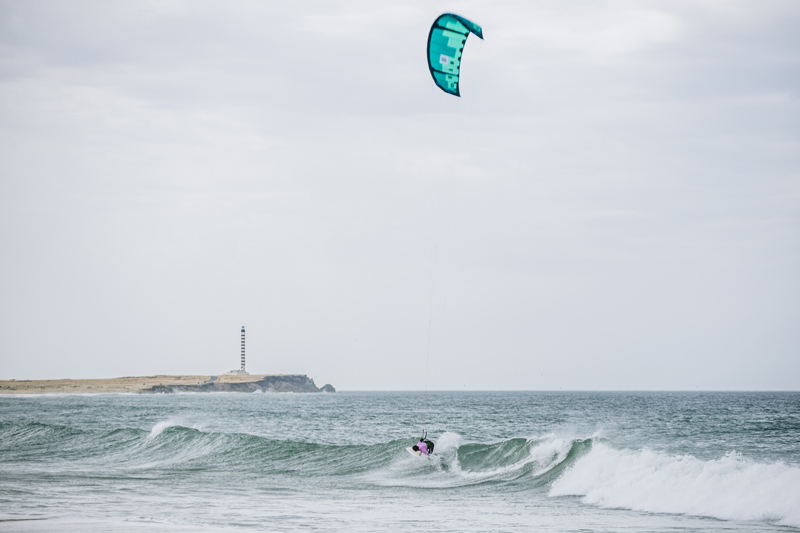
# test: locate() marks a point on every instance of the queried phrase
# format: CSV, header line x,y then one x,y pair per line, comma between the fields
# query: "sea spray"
x,y
160,427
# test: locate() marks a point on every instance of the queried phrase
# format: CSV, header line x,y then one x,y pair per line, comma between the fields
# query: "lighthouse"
x,y
242,369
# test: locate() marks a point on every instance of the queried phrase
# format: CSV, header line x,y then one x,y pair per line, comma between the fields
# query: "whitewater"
x,y
506,461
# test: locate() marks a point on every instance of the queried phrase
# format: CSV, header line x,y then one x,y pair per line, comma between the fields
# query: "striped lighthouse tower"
x,y
242,369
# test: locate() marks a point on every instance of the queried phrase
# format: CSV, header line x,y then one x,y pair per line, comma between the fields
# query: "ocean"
x,y
506,462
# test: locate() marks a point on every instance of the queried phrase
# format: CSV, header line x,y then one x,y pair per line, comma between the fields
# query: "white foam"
x,y
160,427
549,453
729,488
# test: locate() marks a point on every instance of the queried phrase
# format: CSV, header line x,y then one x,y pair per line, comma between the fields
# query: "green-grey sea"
x,y
505,461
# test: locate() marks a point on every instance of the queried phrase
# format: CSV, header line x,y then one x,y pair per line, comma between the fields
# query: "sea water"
x,y
505,461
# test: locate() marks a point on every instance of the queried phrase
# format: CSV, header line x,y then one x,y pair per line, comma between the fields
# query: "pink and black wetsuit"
x,y
423,447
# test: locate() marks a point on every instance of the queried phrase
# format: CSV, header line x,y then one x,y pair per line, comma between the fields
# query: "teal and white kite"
x,y
445,43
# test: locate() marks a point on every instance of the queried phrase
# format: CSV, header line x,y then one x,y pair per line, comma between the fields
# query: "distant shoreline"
x,y
167,384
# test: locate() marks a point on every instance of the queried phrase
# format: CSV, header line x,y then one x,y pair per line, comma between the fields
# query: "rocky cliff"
x,y
278,383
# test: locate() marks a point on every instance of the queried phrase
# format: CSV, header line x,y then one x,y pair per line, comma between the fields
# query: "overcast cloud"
x,y
619,209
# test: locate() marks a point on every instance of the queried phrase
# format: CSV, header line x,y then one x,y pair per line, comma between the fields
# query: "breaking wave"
x,y
731,487
521,462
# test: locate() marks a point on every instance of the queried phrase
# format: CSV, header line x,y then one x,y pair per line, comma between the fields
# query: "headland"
x,y
167,384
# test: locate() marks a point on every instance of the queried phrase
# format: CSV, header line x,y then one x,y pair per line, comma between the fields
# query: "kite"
x,y
445,44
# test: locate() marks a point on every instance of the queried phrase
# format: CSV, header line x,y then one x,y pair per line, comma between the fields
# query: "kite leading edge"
x,y
445,44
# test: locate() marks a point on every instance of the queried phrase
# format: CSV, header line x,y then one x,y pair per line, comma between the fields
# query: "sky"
x,y
612,204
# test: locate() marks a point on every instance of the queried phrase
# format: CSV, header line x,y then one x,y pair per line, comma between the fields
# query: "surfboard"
x,y
420,454
417,453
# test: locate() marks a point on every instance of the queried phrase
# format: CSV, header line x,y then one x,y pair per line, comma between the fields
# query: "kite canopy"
x,y
445,44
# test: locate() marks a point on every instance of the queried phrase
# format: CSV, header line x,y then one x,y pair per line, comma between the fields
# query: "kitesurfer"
x,y
424,445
